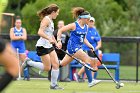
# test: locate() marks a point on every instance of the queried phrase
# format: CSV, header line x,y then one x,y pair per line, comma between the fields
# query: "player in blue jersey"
x,y
78,31
94,38
18,35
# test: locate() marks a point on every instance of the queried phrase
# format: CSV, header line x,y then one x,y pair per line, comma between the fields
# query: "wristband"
x,y
58,40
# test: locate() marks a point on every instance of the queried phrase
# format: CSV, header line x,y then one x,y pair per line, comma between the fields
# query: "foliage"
x,y
113,18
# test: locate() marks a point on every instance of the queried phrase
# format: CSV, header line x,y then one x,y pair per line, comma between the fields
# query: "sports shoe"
x,y
94,82
76,76
65,80
78,79
56,87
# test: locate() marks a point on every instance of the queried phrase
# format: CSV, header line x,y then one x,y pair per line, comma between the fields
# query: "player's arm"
x,y
64,29
24,36
44,23
12,35
55,42
99,45
88,44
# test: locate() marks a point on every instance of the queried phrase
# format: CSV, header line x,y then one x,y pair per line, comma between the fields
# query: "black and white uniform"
x,y
43,45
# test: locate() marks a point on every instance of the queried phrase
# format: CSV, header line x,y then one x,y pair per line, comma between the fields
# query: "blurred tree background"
x,y
113,18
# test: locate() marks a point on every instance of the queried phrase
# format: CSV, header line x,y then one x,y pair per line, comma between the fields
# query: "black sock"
x,y
5,80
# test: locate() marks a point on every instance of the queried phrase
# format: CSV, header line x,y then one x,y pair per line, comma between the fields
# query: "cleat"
x,y
77,78
94,82
56,87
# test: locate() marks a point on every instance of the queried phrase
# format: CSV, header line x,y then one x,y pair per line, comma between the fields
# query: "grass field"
x,y
42,86
126,72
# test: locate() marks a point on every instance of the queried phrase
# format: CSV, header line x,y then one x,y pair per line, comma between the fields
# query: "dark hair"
x,y
17,18
84,13
47,10
77,11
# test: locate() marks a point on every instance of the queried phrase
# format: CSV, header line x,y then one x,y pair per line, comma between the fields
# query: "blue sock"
x,y
89,74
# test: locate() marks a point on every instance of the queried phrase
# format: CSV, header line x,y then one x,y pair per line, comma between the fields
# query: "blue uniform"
x,y
76,39
18,43
93,37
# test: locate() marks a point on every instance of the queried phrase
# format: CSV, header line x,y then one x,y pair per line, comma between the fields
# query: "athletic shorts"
x,y
43,51
2,45
73,48
21,47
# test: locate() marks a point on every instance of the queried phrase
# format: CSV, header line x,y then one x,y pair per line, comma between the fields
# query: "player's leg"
x,y
45,58
66,60
22,54
55,70
94,65
80,54
78,75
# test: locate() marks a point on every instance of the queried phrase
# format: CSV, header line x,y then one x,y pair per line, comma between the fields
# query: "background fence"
x,y
128,47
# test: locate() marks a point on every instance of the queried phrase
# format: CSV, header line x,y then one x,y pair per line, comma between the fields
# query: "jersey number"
x,y
82,38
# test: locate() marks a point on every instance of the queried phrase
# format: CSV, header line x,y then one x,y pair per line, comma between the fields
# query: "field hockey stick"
x,y
118,84
19,72
82,63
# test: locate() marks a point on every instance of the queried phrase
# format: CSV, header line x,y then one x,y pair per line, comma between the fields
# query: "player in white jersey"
x,y
44,45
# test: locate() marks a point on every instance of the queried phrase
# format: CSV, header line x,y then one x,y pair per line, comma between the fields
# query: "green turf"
x,y
42,86
126,72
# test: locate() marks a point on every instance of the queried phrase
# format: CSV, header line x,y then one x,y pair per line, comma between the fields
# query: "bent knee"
x,y
46,68
55,66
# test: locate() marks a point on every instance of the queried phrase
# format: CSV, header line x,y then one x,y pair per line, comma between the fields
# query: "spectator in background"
x,y
64,40
18,35
94,38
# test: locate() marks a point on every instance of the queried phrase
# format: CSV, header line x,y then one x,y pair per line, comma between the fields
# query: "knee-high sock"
x,y
54,76
5,80
89,74
36,64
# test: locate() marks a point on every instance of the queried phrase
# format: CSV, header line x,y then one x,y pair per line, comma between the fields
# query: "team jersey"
x,y
76,38
18,33
49,32
18,43
93,37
